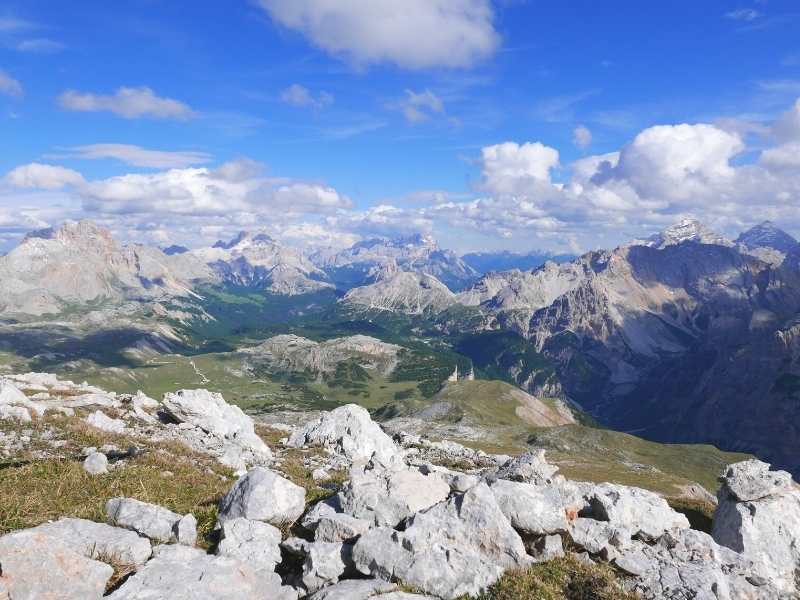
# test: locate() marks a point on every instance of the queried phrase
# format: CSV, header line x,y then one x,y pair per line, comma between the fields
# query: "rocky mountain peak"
x,y
686,230
81,234
767,235
244,238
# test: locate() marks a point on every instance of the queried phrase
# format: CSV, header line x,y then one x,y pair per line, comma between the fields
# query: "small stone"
x,y
186,530
96,464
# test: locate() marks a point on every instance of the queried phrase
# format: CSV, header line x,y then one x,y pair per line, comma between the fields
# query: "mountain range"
x,y
682,337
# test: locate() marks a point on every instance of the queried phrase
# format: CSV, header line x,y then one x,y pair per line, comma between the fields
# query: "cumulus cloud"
x,y
582,137
787,127
413,34
137,156
127,102
298,95
10,86
509,167
45,177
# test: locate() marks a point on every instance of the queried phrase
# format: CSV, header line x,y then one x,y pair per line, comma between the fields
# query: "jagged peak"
x,y
767,235
85,232
688,229
243,237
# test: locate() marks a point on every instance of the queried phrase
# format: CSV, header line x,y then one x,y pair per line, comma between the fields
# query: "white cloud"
x,y
582,137
40,46
413,34
10,86
787,127
782,157
420,106
127,102
45,177
509,167
298,95
137,156
743,14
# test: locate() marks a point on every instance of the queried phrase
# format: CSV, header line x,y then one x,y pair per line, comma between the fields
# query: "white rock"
x,y
96,464
758,515
185,530
103,422
155,522
35,566
457,547
531,467
251,542
387,496
547,548
263,495
325,563
98,540
350,432
183,573
355,589
15,413
339,528
12,396
530,509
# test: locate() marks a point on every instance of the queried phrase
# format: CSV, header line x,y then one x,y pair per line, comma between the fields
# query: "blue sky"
x,y
352,105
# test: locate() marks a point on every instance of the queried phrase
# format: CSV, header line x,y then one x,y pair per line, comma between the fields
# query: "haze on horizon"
x,y
502,124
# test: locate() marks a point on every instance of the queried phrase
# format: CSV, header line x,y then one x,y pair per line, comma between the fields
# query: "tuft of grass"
x,y
559,579
35,490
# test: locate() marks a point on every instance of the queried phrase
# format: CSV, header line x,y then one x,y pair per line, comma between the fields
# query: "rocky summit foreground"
x,y
395,518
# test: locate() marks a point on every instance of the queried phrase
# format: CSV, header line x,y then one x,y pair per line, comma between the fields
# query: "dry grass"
x,y
35,490
559,579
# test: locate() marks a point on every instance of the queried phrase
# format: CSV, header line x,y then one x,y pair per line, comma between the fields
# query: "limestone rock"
x,y
96,463
223,428
251,542
183,573
12,399
758,515
103,422
98,540
154,522
339,527
35,566
533,510
355,589
547,548
530,467
457,547
387,496
185,530
325,563
350,432
263,495
634,509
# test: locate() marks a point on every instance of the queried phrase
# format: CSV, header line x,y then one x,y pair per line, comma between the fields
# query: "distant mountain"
x,y
369,260
687,230
81,263
404,292
174,249
487,262
767,235
256,260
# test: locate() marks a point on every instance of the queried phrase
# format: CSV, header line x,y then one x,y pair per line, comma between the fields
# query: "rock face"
x,y
767,235
758,515
348,431
404,292
219,426
263,495
37,567
458,547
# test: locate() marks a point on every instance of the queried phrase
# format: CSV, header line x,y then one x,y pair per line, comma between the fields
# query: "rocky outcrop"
x,y
217,426
758,515
403,292
348,432
154,522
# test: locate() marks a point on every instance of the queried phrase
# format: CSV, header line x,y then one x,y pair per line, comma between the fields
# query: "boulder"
x,y
355,589
96,463
530,467
531,510
348,431
457,547
154,522
263,495
15,413
36,566
325,563
547,548
323,508
251,542
387,496
339,527
219,428
14,404
685,563
105,423
98,540
641,512
758,515
183,573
